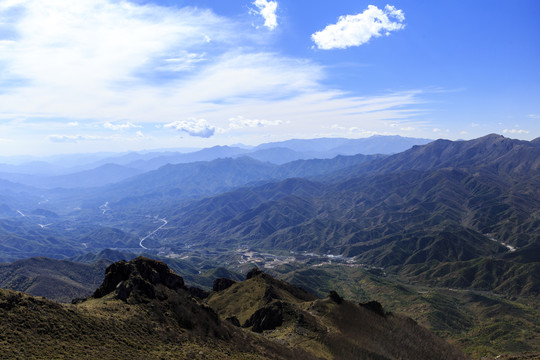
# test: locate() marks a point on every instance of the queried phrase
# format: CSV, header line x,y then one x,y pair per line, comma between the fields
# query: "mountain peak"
x,y
136,280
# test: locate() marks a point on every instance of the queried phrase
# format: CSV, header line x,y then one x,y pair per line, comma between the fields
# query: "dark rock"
x,y
138,278
266,318
198,293
222,284
253,272
114,274
334,296
233,320
374,306
270,294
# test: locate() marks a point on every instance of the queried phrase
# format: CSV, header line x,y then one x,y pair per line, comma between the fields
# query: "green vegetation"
x,y
482,323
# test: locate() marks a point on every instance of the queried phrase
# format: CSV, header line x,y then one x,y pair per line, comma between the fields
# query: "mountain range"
x,y
450,228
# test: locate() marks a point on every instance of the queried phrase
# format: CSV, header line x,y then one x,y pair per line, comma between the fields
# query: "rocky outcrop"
x,y
266,318
138,279
334,296
221,284
198,293
374,306
253,272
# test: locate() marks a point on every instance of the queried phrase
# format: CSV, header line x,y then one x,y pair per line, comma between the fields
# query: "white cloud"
x,y
96,63
194,127
337,127
183,62
437,130
240,122
355,30
515,131
124,126
366,133
84,54
72,138
533,116
267,9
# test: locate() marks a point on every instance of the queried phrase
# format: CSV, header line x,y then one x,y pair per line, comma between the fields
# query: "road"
x,y
152,233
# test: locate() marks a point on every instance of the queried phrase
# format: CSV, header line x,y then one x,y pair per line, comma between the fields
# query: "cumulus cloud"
x,y
240,122
355,30
267,9
109,60
194,127
124,126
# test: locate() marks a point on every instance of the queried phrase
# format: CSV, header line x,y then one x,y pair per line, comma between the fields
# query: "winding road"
x,y
152,233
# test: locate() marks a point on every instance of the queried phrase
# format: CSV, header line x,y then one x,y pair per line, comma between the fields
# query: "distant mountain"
x,y
405,209
100,176
60,280
22,238
494,153
486,274
94,170
290,150
330,147
209,154
192,180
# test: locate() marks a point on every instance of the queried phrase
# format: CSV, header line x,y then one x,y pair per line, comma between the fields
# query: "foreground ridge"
x,y
144,310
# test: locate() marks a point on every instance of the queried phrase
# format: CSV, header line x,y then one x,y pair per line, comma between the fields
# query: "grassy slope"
x,y
328,329
481,323
110,329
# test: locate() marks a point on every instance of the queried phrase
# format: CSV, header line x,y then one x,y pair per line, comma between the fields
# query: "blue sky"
x,y
109,75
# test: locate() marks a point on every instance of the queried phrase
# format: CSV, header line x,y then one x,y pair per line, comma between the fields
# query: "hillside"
x,y
60,280
142,310
388,216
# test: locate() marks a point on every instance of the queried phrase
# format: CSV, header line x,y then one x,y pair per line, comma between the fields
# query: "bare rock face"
x,y
266,318
138,279
221,284
335,297
253,272
374,306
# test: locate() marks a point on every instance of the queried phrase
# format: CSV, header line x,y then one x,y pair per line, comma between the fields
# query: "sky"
x,y
112,75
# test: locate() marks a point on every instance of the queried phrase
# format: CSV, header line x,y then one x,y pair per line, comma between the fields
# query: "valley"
x,y
446,233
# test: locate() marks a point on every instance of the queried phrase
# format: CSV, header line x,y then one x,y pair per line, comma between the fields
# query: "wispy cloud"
x,y
515,131
72,138
126,125
239,122
194,127
88,65
355,30
267,9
